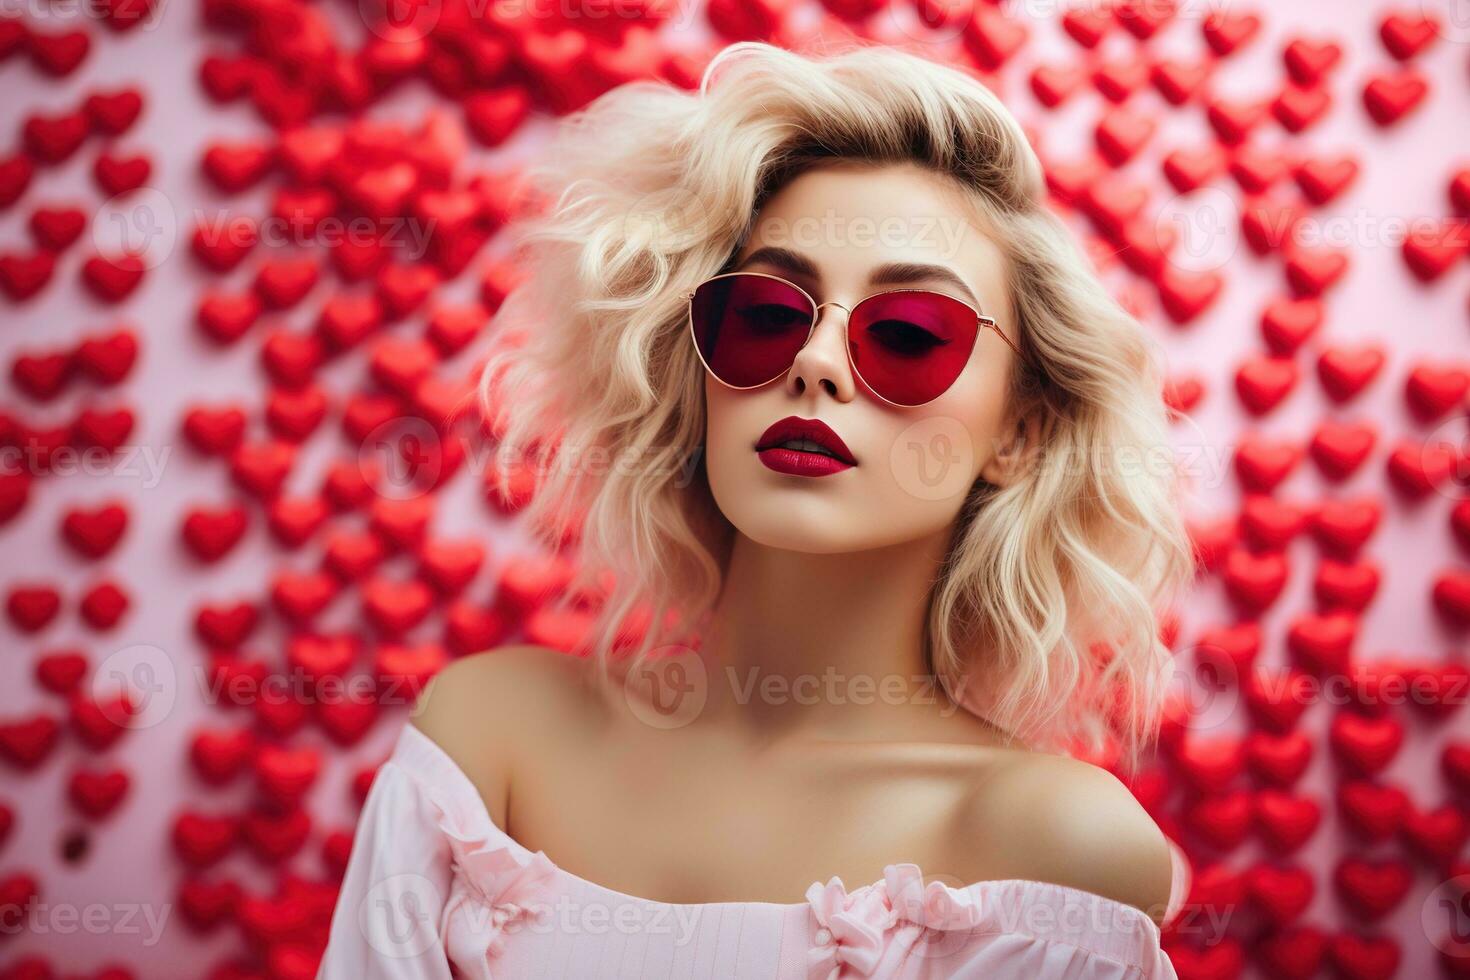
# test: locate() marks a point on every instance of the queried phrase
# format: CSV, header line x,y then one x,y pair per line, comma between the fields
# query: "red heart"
x,y
31,607
204,905
227,78
100,723
1345,372
219,755
1256,169
1051,84
1455,764
1311,272
1263,382
61,671
112,279
1286,821
204,839
1364,957
1268,224
42,376
450,566
52,139
105,429
1254,581
59,54
1222,820
319,656
1418,469
119,175
113,113
347,720
1371,888
23,276
469,628
1121,133
1322,643
225,626
308,153
15,176
294,415
225,317
234,167
403,671
54,229
1277,699
95,532
404,288
346,320
1296,107
283,775
1278,759
107,358
261,468
452,328
349,483
1269,524
1429,251
1226,32
303,209
292,358
1364,744
301,595
351,555
402,524
274,836
1452,596
222,242
26,743
494,116
1339,448
1292,953
1233,121
1343,585
1342,526
1432,390
1119,78
96,793
1281,893
1436,835
1323,179
396,607
282,283
1222,959
1308,60
1177,81
293,520
211,533
214,431
1189,170
1405,35
1390,97
1185,295
15,492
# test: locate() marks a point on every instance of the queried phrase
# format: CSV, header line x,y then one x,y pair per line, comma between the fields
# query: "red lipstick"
x,y
803,447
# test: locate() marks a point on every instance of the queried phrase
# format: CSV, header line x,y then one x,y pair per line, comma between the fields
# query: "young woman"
x,y
839,662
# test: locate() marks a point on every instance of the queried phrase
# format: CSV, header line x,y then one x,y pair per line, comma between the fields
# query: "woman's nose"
x,y
823,360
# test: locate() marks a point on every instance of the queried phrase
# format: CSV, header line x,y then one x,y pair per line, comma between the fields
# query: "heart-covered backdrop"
x,y
249,256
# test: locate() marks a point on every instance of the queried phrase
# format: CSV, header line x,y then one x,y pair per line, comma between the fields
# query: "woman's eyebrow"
x,y
890,274
904,273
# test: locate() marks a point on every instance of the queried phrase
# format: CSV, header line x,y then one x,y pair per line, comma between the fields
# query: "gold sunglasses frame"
x,y
980,318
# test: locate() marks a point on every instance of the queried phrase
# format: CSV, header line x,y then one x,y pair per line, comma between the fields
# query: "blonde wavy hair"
x,y
1049,595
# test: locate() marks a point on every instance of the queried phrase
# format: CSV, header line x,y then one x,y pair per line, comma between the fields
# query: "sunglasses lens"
x,y
749,328
910,347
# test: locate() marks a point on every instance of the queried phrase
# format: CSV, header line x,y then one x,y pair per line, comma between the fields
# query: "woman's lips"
x,y
834,458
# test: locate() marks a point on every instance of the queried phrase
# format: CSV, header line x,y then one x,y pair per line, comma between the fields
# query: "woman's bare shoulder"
x,y
487,710
1072,823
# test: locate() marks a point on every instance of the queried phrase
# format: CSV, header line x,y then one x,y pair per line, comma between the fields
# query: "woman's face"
x,y
832,231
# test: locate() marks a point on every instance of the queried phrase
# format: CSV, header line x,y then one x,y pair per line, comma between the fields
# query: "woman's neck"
x,y
826,644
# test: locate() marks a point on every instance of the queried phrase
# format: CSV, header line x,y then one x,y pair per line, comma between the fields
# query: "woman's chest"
x,y
717,827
